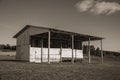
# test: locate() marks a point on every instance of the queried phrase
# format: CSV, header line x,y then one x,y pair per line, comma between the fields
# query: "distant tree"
x,y
4,46
8,46
92,50
13,47
1,47
98,51
85,47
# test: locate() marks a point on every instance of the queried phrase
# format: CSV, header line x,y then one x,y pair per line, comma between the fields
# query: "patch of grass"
x,y
13,70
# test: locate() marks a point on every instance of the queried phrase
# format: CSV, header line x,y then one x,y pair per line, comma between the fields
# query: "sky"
x,y
94,17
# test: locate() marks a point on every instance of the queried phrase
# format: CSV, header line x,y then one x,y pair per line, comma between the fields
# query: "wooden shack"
x,y
41,44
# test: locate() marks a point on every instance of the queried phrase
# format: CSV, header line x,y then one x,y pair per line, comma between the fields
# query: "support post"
x,y
75,55
61,52
89,56
82,51
49,47
42,50
29,51
82,45
72,48
101,51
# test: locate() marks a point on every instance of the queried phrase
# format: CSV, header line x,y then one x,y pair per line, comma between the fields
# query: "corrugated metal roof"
x,y
58,31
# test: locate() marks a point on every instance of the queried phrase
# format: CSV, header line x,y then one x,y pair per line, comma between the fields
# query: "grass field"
x,y
15,70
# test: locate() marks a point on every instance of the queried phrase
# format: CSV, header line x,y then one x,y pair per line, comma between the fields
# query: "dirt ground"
x,y
16,70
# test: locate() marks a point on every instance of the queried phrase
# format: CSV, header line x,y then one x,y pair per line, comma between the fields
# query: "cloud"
x,y
85,5
98,7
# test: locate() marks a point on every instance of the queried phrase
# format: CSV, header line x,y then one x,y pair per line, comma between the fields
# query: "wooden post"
x,y
29,51
82,45
49,47
89,51
101,51
72,49
61,52
82,51
75,55
42,50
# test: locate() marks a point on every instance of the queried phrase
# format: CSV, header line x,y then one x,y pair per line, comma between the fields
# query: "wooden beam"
x,y
72,48
101,51
89,56
63,32
49,47
42,50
